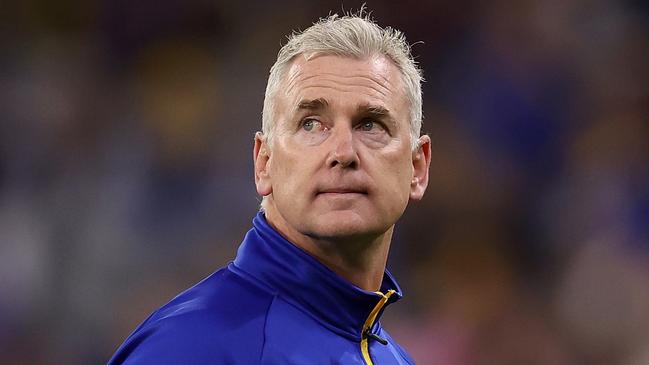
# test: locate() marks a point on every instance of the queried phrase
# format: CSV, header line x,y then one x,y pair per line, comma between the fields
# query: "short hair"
x,y
355,36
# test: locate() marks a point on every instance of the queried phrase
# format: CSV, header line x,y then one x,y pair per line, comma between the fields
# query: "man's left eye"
x,y
368,125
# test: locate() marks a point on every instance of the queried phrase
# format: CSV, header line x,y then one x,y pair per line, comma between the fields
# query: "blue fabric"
x,y
274,304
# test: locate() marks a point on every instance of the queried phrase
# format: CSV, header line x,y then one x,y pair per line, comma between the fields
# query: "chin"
x,y
343,224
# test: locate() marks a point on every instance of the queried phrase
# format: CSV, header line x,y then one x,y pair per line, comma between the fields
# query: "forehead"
x,y
344,80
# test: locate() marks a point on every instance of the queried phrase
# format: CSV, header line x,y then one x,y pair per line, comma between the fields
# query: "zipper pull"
x,y
376,337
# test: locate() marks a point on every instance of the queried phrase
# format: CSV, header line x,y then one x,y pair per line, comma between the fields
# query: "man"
x,y
339,158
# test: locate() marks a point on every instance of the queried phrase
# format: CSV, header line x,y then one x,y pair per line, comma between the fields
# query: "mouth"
x,y
342,191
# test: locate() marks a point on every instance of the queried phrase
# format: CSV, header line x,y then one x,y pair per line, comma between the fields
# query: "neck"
x,y
360,259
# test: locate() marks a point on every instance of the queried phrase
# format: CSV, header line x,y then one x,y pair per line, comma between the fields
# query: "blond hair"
x,y
355,36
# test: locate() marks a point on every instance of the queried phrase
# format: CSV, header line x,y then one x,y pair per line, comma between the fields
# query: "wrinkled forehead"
x,y
373,76
379,63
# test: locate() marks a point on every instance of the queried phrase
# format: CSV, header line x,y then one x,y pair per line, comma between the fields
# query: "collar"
x,y
305,282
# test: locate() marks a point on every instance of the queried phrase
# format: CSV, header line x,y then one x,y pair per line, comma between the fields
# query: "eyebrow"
x,y
321,103
373,110
315,104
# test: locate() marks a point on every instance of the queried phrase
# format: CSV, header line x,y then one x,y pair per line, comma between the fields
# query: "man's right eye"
x,y
309,124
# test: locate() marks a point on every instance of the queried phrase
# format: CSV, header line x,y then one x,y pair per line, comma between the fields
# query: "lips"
x,y
342,190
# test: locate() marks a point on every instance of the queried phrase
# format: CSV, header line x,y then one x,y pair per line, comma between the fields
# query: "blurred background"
x,y
126,132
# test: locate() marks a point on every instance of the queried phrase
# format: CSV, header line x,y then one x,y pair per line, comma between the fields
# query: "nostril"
x,y
345,163
346,160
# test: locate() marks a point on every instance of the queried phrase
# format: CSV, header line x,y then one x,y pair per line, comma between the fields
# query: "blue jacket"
x,y
274,304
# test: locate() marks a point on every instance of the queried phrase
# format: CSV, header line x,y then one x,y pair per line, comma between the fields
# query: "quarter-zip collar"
x,y
303,281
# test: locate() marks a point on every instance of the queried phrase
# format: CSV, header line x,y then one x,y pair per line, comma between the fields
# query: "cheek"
x,y
400,167
397,178
288,173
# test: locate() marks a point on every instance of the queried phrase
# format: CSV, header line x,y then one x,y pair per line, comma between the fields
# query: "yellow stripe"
x,y
365,348
366,352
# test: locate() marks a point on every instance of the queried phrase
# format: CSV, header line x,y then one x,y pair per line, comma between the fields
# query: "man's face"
x,y
340,162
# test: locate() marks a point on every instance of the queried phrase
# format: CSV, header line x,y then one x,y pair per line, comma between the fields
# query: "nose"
x,y
342,151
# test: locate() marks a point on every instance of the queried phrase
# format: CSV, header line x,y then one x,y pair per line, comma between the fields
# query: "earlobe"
x,y
261,158
420,162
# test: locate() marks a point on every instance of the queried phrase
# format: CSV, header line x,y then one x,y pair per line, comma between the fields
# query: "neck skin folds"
x,y
359,259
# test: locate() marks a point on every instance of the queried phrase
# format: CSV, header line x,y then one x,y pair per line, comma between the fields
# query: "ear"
x,y
420,163
261,157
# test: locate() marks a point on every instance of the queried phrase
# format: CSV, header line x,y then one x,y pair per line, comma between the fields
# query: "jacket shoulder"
x,y
219,320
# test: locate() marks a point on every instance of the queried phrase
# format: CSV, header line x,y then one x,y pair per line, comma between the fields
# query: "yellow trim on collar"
x,y
369,322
